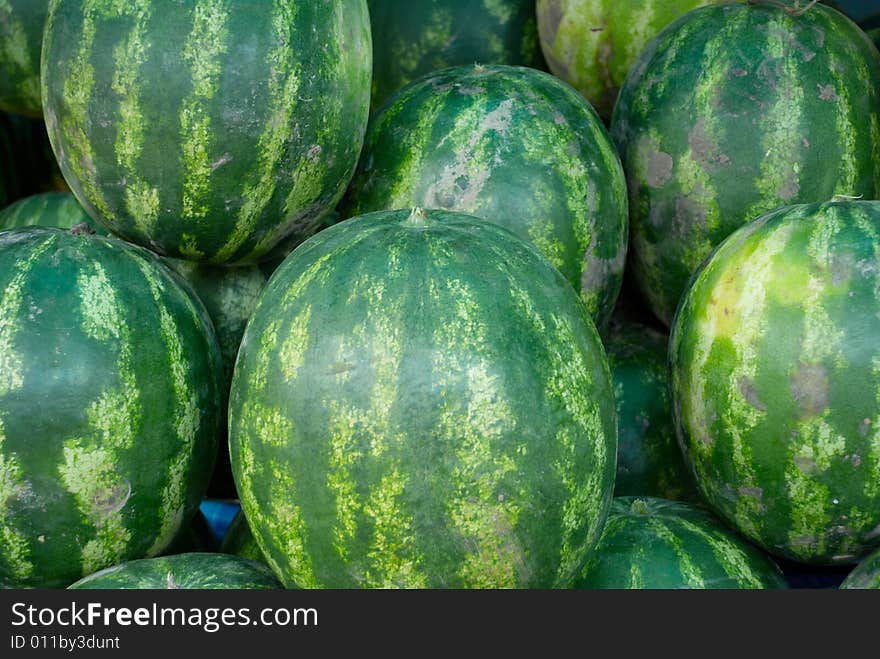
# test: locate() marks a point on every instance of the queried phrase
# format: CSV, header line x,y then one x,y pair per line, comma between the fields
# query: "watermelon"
x,y
240,541
775,375
48,209
592,44
513,146
21,39
649,461
204,132
421,400
712,136
865,575
190,571
416,38
651,543
110,405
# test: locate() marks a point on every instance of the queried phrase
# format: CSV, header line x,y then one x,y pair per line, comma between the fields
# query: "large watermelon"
x,y
21,39
412,39
866,575
190,571
649,461
732,111
775,374
656,543
110,394
592,44
211,132
421,400
511,145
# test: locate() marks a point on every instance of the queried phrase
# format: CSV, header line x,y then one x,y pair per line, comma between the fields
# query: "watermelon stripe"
x,y
15,552
205,46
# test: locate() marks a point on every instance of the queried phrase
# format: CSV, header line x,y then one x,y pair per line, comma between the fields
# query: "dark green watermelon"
x,y
775,374
866,575
412,39
110,405
21,40
513,146
191,571
240,541
651,543
421,400
734,110
591,44
649,460
211,132
48,209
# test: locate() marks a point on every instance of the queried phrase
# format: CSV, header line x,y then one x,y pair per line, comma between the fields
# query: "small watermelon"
x,y
110,405
513,146
191,571
651,543
649,460
732,111
212,132
21,40
416,38
592,44
48,209
421,400
775,375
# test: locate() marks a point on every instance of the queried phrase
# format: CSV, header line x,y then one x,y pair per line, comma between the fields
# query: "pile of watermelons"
x,y
447,294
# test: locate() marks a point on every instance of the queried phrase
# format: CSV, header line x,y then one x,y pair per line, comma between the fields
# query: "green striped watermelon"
x,y
866,575
48,209
511,145
712,136
208,132
191,571
649,460
416,38
775,374
110,405
656,543
240,541
592,44
421,400
21,40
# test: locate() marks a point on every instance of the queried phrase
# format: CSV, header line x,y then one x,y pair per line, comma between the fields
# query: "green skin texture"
x,y
417,38
591,44
866,575
191,571
651,543
48,209
422,401
21,40
110,405
712,137
207,133
513,146
649,460
775,375
240,541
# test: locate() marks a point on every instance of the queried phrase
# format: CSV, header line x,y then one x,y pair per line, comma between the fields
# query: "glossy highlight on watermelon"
x,y
651,543
190,571
775,374
591,44
732,111
110,405
209,132
412,39
513,146
422,401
